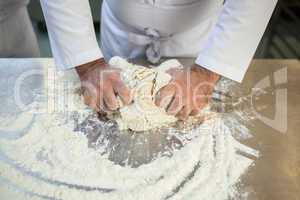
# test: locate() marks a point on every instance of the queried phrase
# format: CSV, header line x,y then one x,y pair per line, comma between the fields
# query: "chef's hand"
x,y
101,84
188,92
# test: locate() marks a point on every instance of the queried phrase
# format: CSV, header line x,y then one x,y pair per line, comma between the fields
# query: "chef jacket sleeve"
x,y
232,43
71,32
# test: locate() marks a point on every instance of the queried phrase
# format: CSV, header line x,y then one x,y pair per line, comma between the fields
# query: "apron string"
x,y
152,39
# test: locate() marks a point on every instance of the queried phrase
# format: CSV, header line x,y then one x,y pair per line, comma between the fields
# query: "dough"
x,y
144,82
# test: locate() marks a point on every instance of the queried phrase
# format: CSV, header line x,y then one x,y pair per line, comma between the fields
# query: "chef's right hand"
x,y
101,84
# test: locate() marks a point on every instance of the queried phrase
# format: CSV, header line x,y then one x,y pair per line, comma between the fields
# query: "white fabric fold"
x,y
71,32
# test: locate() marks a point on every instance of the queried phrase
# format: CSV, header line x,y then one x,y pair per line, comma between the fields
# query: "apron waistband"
x,y
152,40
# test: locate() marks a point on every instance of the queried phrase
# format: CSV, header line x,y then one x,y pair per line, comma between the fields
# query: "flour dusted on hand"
x,y
144,82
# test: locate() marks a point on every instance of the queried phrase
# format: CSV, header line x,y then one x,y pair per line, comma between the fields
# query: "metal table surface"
x,y
276,118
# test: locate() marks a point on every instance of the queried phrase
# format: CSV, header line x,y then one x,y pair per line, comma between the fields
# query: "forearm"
x,y
71,32
234,40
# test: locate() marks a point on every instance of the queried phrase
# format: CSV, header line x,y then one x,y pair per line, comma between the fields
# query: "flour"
x,y
143,114
52,161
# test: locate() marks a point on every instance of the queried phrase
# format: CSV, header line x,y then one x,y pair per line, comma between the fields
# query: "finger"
x,y
89,93
198,109
195,112
172,71
184,113
175,106
90,101
164,97
100,102
200,105
199,99
110,99
123,92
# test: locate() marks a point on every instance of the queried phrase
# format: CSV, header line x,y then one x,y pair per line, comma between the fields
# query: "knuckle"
x,y
114,76
120,86
105,87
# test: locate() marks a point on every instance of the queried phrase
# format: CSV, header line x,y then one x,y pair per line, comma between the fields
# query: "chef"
x,y
221,35
17,38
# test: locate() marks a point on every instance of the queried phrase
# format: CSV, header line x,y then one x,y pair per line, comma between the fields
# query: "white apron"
x,y
169,28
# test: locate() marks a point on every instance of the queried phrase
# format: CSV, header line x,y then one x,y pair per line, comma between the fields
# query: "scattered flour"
x,y
52,161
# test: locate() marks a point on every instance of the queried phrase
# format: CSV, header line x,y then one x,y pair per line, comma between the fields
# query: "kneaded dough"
x,y
144,82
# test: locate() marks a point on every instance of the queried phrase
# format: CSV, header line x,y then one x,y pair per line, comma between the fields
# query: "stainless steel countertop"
x,y
276,173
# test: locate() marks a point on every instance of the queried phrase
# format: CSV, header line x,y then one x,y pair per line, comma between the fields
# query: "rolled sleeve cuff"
x,y
75,60
221,68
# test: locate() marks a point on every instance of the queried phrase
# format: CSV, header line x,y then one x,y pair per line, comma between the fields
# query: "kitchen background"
x,y
281,39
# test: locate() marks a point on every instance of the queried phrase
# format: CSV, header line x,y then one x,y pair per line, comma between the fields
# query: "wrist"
x,y
212,76
84,68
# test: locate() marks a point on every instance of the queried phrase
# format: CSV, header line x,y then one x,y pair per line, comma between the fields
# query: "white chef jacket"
x,y
222,35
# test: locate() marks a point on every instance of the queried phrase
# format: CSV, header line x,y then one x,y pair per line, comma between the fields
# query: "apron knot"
x,y
152,39
153,49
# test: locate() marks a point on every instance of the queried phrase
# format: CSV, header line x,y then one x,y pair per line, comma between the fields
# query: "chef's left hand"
x,y
188,92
